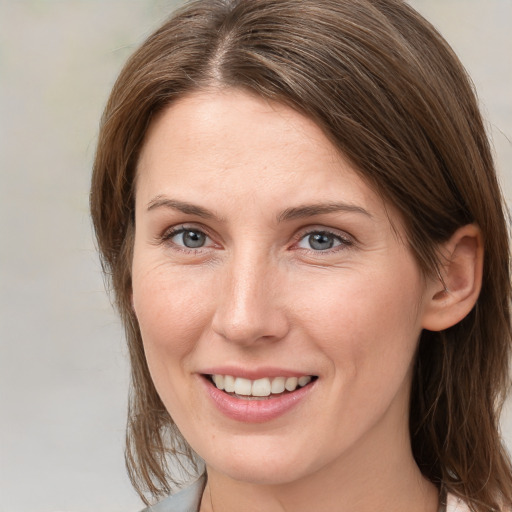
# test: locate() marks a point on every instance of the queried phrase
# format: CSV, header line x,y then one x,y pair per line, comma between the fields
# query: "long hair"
x,y
391,95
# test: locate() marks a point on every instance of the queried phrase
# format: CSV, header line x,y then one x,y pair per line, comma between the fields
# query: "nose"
x,y
249,309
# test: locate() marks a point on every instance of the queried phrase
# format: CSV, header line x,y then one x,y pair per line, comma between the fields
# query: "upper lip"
x,y
254,373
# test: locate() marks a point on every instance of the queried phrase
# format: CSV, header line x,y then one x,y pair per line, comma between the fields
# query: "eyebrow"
x,y
310,210
297,212
182,206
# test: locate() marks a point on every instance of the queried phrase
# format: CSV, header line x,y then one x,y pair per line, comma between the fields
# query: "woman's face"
x,y
262,260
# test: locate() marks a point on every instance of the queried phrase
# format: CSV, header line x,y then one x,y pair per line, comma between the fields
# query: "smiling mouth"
x,y
260,389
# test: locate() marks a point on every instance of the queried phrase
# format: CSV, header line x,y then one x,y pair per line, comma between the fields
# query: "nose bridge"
x,y
247,309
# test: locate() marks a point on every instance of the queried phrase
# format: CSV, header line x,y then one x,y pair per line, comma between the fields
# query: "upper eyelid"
x,y
170,231
165,236
343,235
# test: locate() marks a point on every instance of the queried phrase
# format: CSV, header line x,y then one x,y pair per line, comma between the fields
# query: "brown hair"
x,y
391,95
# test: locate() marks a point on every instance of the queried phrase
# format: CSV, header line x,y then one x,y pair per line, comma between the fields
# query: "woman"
x,y
296,203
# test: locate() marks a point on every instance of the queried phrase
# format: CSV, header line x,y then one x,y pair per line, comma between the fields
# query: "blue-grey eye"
x,y
190,238
320,241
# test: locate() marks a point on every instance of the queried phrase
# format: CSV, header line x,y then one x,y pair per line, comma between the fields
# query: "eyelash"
x,y
344,242
175,231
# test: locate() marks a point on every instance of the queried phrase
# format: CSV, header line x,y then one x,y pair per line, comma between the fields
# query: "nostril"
x,y
246,329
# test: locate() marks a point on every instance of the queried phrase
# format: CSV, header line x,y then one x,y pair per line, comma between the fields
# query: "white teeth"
x,y
302,380
229,383
260,387
278,385
219,381
291,383
243,386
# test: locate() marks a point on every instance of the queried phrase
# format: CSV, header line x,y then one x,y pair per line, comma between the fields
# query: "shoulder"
x,y
186,500
454,504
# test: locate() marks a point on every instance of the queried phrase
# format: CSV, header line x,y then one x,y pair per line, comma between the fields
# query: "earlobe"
x,y
454,293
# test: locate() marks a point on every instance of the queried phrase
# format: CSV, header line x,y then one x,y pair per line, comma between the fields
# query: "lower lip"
x,y
255,411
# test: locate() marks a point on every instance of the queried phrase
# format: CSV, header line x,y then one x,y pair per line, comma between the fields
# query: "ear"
x,y
452,295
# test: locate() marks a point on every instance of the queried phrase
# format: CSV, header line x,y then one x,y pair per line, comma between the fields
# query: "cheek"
x,y
367,324
172,312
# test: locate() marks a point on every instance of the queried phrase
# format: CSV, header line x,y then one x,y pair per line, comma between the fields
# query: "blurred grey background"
x,y
63,364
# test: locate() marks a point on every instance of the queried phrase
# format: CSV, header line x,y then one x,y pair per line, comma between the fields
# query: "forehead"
x,y
217,120
226,145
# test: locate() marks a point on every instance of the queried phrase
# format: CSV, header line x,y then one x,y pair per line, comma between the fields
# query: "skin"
x,y
257,294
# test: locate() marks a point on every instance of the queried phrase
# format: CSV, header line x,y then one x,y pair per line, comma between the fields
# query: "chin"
x,y
260,469
265,474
